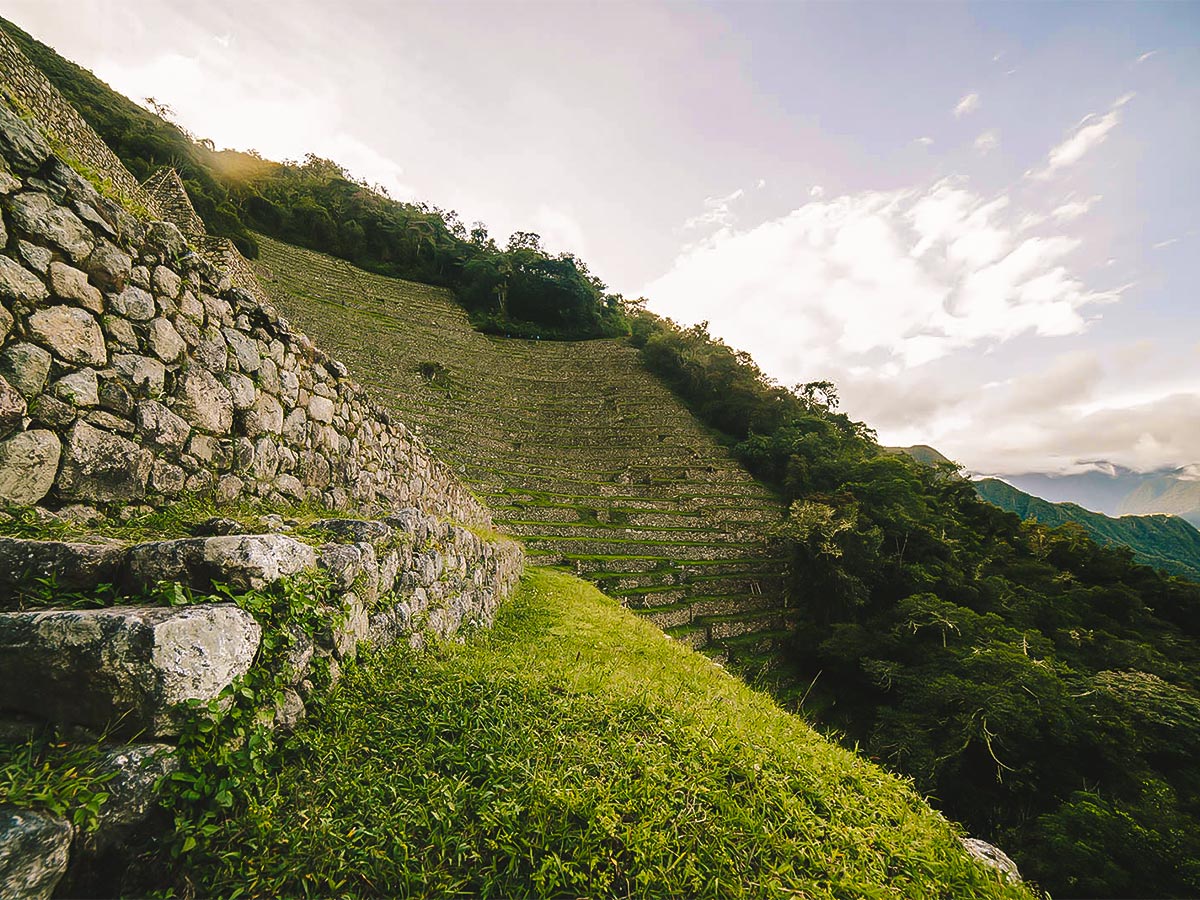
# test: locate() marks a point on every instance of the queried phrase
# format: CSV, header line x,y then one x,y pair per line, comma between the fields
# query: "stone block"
x,y
99,466
71,333
243,562
26,367
38,215
71,284
204,401
18,283
161,427
125,666
164,341
109,266
34,850
78,388
28,464
12,408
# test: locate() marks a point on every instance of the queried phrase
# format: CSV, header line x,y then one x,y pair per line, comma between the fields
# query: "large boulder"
x,y
18,283
244,562
126,667
34,849
37,215
28,463
72,565
204,401
20,144
73,334
104,467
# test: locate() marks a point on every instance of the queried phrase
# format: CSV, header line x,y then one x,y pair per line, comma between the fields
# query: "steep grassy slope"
x,y
1165,542
572,751
574,445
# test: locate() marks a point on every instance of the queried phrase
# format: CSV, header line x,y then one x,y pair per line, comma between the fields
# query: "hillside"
x,y
1174,493
573,445
1117,491
572,751
1165,542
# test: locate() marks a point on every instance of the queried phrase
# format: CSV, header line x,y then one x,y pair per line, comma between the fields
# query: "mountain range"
x,y
1115,490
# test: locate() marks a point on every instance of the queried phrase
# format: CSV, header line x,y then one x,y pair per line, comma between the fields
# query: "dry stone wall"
x,y
132,372
32,93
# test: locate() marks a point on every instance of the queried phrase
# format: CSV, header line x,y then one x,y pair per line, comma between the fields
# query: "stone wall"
x,y
133,372
126,671
31,93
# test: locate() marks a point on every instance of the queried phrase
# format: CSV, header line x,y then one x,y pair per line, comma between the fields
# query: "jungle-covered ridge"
x,y
1169,543
1040,688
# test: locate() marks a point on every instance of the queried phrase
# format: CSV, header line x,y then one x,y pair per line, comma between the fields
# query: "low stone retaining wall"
x,y
126,670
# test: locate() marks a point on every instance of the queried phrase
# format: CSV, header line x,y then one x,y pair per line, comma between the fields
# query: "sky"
x,y
979,220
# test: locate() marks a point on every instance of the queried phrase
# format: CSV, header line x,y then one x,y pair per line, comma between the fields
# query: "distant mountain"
x,y
1115,491
1163,541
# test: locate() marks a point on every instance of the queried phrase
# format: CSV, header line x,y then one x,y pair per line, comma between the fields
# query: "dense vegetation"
x,y
1165,542
516,289
571,751
1041,688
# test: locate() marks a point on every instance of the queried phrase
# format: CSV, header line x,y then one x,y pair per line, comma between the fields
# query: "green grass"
x,y
574,750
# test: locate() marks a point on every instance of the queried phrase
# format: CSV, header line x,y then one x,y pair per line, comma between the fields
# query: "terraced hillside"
x,y
575,446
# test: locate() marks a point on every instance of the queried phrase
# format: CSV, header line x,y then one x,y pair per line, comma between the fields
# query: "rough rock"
x,y
34,849
245,350
109,266
167,239
148,376
72,565
131,814
78,388
161,427
12,407
38,215
243,562
289,711
134,303
18,283
99,466
26,366
264,417
164,340
28,463
204,401
37,258
320,409
70,283
166,282
126,665
993,856
73,334
21,145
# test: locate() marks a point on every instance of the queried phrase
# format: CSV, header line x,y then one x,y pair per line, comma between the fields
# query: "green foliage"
x,y
572,751
61,776
1169,543
228,743
1041,686
522,289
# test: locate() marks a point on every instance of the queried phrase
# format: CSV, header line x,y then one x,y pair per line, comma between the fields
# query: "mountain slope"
x,y
1165,542
574,446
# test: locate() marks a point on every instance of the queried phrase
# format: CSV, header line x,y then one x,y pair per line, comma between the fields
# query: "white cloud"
x,y
924,141
560,232
903,276
1073,209
1145,56
1167,243
762,183
717,211
987,142
968,104
1090,131
816,192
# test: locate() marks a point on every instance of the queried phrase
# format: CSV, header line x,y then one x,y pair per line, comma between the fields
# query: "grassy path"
x,y
575,751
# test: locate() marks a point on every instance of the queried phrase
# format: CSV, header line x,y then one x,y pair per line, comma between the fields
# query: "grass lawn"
x,y
574,751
